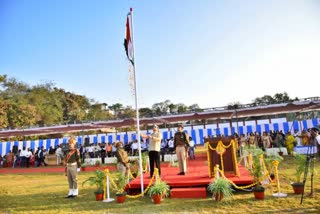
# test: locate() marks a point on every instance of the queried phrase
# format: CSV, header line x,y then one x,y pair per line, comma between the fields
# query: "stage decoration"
x,y
217,172
225,148
155,176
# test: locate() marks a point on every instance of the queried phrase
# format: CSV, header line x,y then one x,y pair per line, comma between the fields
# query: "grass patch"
x,y
44,193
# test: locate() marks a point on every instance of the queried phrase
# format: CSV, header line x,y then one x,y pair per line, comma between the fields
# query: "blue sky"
x,y
208,52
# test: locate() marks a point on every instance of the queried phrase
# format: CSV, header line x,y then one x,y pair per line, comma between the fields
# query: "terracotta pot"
x,y
157,198
218,197
99,196
121,197
258,193
298,188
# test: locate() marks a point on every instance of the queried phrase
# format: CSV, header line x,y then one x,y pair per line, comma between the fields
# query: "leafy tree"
x,y
194,108
182,108
127,112
161,108
145,112
116,108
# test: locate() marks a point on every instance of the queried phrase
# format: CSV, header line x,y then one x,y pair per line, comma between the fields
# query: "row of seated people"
x,y
24,158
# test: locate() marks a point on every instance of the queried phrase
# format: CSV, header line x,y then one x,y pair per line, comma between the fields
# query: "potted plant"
x,y
83,167
121,183
97,180
257,171
300,163
220,188
98,162
159,190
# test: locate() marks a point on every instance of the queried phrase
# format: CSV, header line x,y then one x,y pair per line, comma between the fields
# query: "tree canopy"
x,y
22,106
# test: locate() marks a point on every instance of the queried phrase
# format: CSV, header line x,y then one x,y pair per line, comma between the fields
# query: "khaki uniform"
x,y
181,143
72,163
123,161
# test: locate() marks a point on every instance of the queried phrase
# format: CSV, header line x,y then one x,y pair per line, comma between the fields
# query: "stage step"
x,y
192,192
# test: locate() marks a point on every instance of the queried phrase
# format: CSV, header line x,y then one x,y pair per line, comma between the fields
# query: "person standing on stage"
x,y
191,150
72,168
154,149
181,144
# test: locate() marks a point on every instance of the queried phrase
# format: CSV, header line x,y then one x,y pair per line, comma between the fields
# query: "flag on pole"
x,y
128,43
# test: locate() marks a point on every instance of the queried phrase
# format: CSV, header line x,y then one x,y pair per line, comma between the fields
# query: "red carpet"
x,y
197,176
47,169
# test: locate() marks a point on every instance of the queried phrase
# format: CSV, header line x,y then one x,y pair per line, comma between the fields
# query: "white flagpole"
x,y
136,101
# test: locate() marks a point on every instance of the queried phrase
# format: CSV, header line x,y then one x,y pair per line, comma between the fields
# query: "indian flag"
x,y
128,43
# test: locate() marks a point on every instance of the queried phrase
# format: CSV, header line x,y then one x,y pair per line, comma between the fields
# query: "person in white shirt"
x,y
297,137
315,138
154,149
191,149
23,158
28,155
59,155
171,145
134,148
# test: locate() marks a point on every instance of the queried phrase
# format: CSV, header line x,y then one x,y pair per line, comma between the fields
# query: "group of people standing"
x,y
181,145
276,139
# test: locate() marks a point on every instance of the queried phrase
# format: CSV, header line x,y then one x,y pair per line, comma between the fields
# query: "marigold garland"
x,y
115,187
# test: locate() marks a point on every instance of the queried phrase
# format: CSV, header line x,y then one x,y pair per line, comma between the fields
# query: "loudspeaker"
x,y
87,142
15,149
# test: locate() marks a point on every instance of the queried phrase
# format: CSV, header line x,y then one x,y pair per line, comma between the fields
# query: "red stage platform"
x,y
197,176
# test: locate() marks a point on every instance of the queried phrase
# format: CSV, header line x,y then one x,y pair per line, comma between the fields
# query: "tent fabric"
x,y
201,136
165,135
126,138
194,136
233,130
315,122
40,143
197,133
258,128
267,127
305,124
8,147
241,130
48,144
286,127
249,129
79,140
32,146
110,139
218,131
296,125
225,131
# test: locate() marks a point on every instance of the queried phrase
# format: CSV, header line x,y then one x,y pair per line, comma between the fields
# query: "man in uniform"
x,y
181,144
122,159
72,167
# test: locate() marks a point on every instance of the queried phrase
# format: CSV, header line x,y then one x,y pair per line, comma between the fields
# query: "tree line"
x,y
23,106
